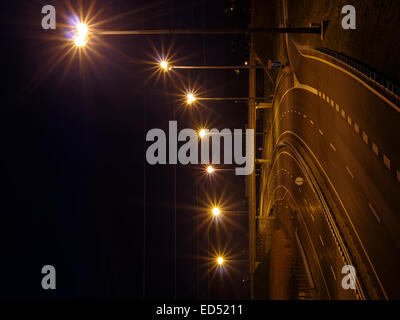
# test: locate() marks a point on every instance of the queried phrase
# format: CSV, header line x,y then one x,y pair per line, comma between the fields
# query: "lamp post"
x,y
165,68
251,177
310,30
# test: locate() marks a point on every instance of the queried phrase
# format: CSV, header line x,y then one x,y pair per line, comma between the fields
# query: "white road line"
x,y
349,120
356,128
305,200
350,173
333,272
375,148
347,215
332,146
322,241
312,122
365,137
312,217
374,212
354,76
304,116
320,131
386,161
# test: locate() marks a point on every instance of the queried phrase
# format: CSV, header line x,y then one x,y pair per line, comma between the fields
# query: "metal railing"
x,y
379,80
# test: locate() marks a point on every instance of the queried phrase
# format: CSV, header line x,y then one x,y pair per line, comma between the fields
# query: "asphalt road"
x,y
346,131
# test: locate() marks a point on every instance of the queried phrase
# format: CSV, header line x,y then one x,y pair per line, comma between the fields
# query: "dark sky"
x,y
74,183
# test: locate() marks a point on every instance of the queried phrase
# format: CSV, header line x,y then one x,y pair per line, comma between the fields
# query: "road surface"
x,y
344,130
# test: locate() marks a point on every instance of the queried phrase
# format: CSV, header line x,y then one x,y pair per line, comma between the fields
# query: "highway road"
x,y
338,131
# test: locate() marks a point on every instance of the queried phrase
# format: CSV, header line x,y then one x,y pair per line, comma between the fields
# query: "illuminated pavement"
x,y
344,131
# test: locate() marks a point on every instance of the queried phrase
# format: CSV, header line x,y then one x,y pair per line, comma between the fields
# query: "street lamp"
x,y
164,65
210,169
81,34
202,133
220,260
190,98
216,211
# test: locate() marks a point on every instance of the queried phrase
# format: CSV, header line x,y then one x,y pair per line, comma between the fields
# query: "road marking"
x,y
312,122
319,93
332,103
350,173
304,116
322,241
356,128
375,148
349,120
305,200
337,107
323,96
354,77
332,146
374,212
320,131
365,137
340,201
333,272
343,114
327,99
312,217
386,161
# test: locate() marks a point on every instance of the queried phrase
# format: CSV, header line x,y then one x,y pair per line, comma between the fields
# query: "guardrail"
x,y
379,80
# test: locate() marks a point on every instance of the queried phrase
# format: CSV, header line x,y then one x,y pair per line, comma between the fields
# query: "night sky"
x,y
76,190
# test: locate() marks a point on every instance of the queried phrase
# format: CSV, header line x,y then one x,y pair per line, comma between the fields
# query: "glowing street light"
x,y
190,98
164,65
220,260
210,169
202,133
216,211
82,31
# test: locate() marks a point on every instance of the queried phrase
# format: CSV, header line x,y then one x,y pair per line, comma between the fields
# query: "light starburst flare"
x,y
210,169
190,98
81,34
216,211
164,65
202,133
